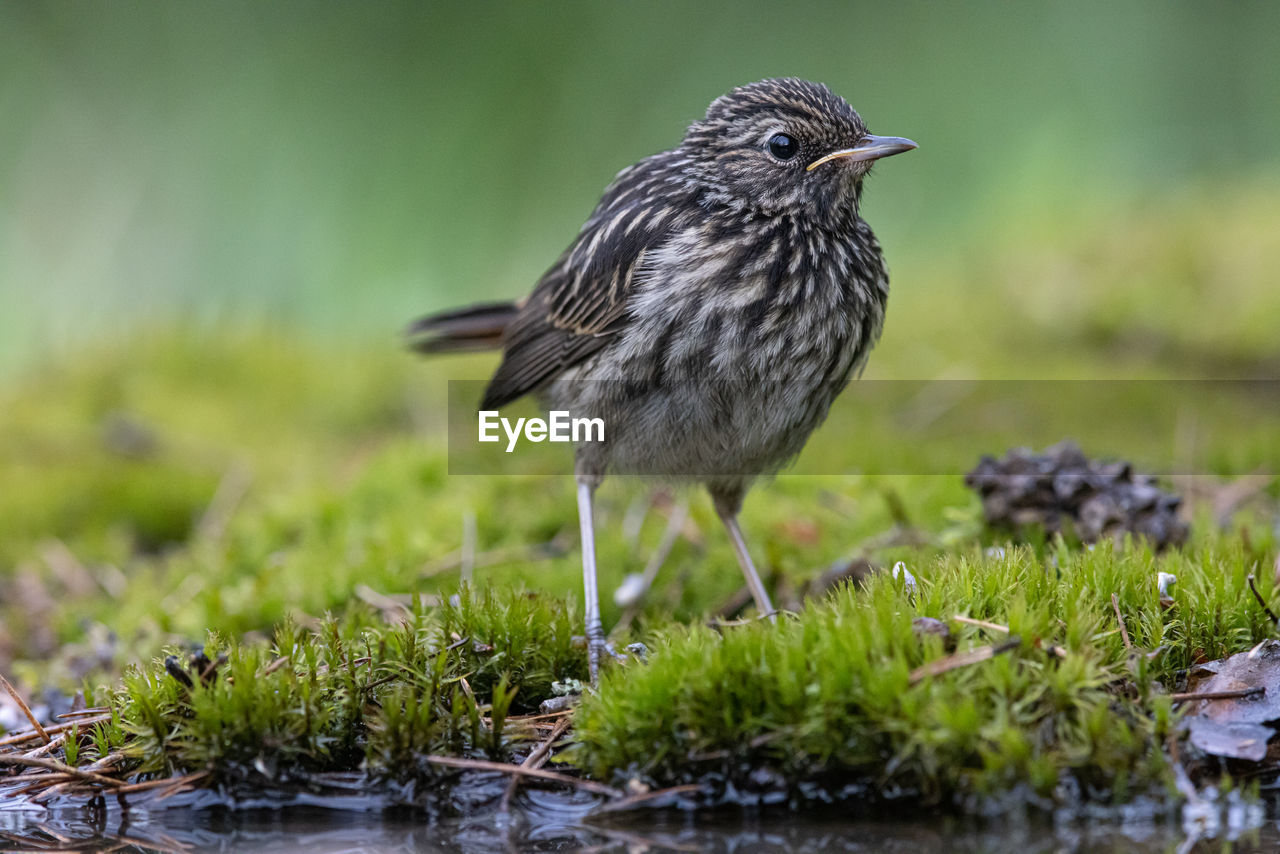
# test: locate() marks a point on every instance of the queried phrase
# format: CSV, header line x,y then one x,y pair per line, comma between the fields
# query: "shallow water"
x,y
318,832
558,821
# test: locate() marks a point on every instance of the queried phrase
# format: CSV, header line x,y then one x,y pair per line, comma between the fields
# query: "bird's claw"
x,y
598,646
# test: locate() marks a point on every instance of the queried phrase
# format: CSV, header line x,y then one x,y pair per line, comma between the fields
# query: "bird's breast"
x,y
737,342
758,301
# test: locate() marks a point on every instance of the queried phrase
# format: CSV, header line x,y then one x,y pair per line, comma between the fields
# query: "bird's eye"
x,y
783,147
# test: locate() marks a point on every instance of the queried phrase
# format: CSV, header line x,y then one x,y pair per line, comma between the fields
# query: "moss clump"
x,y
824,704
352,694
522,640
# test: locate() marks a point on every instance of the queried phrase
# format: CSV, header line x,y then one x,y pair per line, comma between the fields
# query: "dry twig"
x,y
729,624
22,704
504,768
1263,602
48,747
536,759
20,737
1255,691
84,713
1124,632
103,764
528,719
1052,649
982,624
962,659
165,783
60,767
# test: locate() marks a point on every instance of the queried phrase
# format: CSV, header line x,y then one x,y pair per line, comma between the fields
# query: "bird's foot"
x,y
598,647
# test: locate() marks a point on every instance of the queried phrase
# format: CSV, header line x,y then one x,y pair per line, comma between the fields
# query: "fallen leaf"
x,y
1232,740
1257,668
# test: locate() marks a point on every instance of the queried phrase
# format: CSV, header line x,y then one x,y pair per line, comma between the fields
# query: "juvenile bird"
x,y
717,300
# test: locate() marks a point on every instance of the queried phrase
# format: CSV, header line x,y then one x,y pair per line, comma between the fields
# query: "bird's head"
x,y
785,146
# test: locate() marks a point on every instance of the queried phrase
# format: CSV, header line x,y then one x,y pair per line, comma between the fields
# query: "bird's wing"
x,y
580,304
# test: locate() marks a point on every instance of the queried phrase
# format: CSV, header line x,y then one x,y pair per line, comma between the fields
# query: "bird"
x,y
720,296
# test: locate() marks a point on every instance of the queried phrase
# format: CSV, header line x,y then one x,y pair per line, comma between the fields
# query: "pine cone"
x,y
1063,490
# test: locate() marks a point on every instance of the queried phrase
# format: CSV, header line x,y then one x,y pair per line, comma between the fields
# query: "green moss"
x,y
524,641
352,693
822,704
827,698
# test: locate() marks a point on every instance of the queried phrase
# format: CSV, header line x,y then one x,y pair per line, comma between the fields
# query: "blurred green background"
x,y
340,167
215,219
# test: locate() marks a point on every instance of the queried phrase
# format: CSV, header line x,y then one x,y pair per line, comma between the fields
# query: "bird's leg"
x,y
596,642
728,511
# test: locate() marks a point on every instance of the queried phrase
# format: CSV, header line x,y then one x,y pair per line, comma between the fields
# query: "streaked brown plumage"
x,y
717,300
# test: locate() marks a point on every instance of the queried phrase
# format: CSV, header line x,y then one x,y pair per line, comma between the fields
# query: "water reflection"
x,y
541,825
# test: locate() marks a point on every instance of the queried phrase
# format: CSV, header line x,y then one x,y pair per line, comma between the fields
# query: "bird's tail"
x,y
477,327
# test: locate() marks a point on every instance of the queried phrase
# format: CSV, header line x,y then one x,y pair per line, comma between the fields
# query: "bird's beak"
x,y
868,148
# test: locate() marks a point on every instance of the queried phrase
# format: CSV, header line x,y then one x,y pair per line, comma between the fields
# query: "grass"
x,y
288,504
